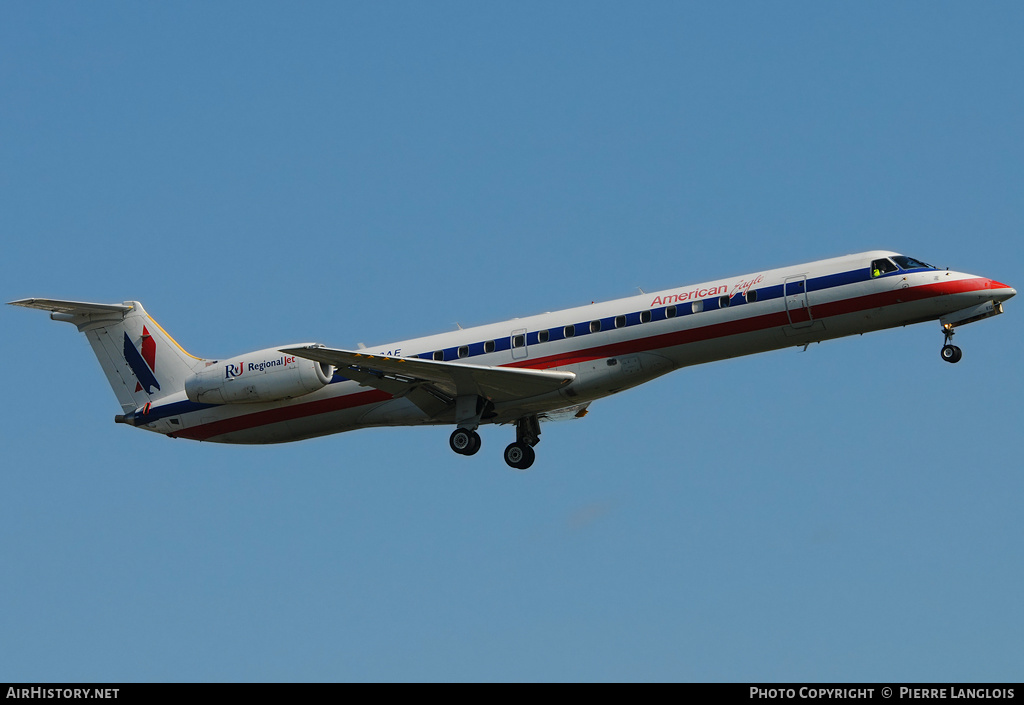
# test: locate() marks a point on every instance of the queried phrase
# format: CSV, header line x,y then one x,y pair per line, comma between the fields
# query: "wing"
x,y
401,375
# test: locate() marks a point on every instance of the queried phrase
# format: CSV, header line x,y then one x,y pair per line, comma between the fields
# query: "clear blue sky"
x,y
262,174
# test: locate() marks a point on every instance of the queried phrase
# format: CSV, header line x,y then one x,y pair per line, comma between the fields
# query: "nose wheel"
x,y
950,352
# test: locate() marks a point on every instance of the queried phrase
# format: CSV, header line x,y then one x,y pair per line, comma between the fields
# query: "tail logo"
x,y
232,371
143,364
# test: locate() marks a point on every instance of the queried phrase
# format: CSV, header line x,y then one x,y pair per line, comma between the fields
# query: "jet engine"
x,y
265,375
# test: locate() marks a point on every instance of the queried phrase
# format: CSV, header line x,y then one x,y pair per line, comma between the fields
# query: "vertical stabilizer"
x,y
141,361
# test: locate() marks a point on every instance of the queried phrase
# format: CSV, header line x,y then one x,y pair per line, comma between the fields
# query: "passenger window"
x,y
697,306
464,351
751,296
518,341
723,301
670,312
439,355
489,346
569,331
543,336
645,316
882,266
620,321
595,326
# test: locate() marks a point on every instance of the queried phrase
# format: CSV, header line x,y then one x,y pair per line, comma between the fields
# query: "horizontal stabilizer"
x,y
499,384
71,307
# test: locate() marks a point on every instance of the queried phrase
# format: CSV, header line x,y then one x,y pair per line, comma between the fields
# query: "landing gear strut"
x,y
950,352
520,455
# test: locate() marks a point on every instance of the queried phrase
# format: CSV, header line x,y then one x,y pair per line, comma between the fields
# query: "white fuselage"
x,y
611,346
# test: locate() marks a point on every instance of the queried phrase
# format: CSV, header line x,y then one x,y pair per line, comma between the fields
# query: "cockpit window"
x,y
882,266
910,263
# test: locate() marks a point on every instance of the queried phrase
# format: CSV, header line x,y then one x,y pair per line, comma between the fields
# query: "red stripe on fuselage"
x,y
285,413
819,312
719,330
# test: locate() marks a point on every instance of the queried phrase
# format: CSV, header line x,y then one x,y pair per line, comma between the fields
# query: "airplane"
x,y
520,372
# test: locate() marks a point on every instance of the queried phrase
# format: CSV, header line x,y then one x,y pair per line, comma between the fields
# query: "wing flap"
x,y
499,384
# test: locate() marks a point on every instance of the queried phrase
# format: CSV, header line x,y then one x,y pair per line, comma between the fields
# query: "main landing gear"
x,y
518,455
950,352
464,442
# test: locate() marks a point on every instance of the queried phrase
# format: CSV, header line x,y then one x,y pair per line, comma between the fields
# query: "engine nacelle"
x,y
261,376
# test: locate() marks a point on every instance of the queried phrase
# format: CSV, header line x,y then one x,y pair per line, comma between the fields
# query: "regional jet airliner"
x,y
519,372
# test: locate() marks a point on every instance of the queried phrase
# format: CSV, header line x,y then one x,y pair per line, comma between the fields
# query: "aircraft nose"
x,y
1002,291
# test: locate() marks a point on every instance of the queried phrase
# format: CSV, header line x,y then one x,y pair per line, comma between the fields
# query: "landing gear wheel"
x,y
464,441
951,353
519,456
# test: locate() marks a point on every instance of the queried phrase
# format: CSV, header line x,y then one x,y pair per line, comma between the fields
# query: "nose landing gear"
x,y
950,352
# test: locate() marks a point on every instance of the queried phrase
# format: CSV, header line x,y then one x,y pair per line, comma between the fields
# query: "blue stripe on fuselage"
x,y
581,329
